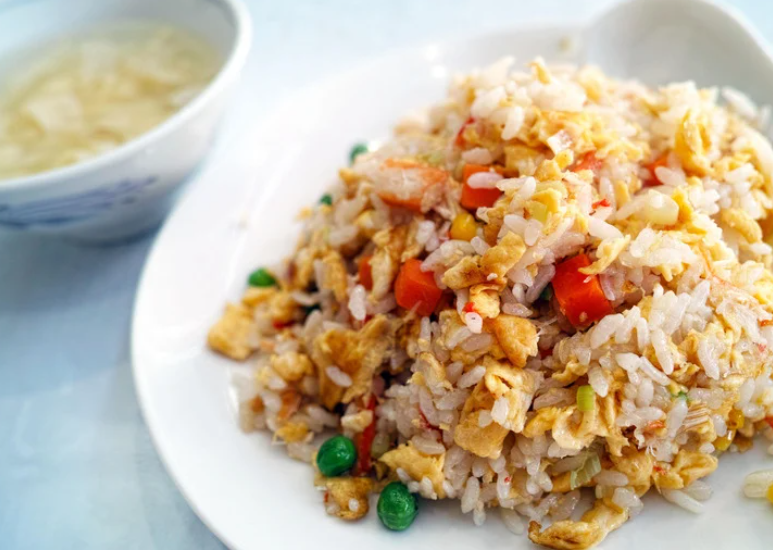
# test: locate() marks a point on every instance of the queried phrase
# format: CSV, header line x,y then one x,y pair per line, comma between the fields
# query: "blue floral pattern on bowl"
x,y
73,208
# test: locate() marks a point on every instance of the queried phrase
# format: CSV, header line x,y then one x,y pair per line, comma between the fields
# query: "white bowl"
x,y
129,190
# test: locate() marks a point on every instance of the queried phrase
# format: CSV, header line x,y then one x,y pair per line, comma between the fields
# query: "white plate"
x,y
241,214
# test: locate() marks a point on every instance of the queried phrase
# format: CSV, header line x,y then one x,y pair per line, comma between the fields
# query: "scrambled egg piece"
x,y
500,258
572,371
606,254
541,422
466,272
485,299
594,526
433,372
523,159
576,431
686,468
385,262
367,223
292,366
412,247
292,432
743,223
232,334
517,336
358,353
582,127
549,197
500,380
763,288
334,278
349,176
450,323
637,465
255,295
541,71
417,465
516,385
282,308
487,441
302,266
357,422
342,490
692,143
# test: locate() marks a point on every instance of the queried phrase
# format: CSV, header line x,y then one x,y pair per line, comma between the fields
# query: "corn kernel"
x,y
723,443
464,228
769,494
736,420
564,159
537,211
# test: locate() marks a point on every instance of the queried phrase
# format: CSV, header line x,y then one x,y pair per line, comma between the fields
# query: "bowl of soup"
x,y
106,108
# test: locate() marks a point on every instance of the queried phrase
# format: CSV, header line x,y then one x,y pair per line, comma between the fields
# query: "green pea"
x,y
327,199
356,151
262,278
336,455
397,507
547,293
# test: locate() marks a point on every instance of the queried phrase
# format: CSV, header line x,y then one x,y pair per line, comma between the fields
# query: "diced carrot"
x,y
662,160
459,140
766,322
366,272
473,197
416,289
579,296
430,176
588,162
364,440
469,307
603,203
769,420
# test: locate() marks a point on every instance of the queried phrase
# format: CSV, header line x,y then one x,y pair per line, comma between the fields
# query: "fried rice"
x,y
553,284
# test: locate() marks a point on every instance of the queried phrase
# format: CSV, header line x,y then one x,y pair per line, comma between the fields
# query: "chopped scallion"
x,y
581,476
586,399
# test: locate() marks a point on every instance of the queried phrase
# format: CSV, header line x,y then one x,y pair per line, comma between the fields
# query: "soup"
x,y
90,94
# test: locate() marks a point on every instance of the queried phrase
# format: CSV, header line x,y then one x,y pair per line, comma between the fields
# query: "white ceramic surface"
x,y
130,189
656,41
247,491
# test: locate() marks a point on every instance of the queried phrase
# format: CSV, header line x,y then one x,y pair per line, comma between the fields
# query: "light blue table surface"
x,y
77,467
